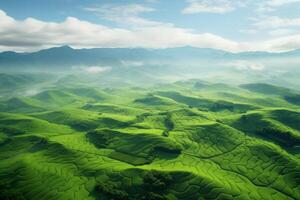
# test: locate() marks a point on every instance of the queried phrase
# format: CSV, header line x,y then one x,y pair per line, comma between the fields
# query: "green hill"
x,y
56,97
187,140
273,128
267,89
20,105
15,124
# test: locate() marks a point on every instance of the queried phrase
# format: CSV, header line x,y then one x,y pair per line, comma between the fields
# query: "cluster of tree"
x,y
175,149
165,134
83,125
284,138
112,191
156,180
11,131
99,139
222,105
293,98
154,186
169,123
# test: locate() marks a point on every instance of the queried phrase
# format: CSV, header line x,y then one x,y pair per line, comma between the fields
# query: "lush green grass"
x,y
187,140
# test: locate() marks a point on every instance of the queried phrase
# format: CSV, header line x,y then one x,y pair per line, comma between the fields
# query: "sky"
x,y
230,25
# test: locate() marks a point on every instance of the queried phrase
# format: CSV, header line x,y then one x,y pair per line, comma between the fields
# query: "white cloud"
x,y
225,6
92,69
246,65
283,43
32,34
272,5
132,63
213,6
281,32
96,69
276,22
124,14
124,10
275,3
208,6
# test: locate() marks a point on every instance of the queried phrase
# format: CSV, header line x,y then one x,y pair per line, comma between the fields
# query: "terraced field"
x,y
186,140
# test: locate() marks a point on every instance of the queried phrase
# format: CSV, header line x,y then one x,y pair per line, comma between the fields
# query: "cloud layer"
x,y
33,34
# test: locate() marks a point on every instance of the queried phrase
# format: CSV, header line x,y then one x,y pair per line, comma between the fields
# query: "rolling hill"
x,y
185,140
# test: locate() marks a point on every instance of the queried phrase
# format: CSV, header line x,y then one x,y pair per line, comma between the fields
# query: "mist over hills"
x,y
123,66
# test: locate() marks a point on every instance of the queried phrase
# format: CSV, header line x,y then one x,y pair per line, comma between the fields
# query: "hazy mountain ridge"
x,y
66,56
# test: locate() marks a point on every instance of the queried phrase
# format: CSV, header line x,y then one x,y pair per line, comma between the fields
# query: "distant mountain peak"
x,y
59,50
64,47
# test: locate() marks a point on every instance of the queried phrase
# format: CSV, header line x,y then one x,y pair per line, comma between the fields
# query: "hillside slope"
x,y
178,141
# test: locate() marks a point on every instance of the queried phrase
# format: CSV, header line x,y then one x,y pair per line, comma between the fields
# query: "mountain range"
x,y
65,57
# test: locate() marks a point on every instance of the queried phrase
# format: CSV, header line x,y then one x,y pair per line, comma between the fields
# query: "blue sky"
x,y
232,25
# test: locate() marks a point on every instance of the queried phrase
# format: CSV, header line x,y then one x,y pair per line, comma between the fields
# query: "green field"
x,y
182,140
